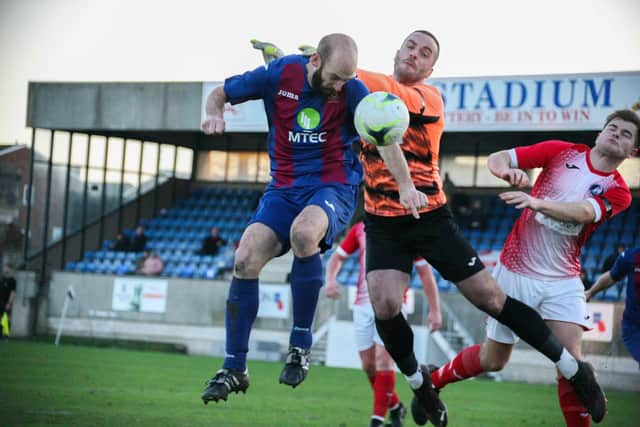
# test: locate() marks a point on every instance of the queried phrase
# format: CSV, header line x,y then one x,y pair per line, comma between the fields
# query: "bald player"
x,y
309,103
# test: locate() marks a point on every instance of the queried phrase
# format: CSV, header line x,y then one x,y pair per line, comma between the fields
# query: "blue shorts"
x,y
631,338
280,206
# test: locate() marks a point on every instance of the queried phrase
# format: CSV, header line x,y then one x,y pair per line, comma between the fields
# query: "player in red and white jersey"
x,y
376,361
578,189
544,247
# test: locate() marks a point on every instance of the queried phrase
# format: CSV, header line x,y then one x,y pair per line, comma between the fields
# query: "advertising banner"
x,y
601,315
274,301
139,295
536,103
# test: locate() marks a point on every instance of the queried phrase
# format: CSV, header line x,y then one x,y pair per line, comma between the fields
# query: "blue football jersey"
x,y
628,263
310,135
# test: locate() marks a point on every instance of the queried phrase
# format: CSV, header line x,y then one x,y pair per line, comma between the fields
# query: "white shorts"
x,y
364,324
561,300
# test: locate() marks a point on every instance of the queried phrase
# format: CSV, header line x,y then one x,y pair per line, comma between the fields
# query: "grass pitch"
x,y
85,386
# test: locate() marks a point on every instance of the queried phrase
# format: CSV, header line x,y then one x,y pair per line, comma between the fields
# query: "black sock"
x,y
398,340
527,323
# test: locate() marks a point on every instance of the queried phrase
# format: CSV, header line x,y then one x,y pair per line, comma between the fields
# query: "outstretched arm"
x,y
581,212
214,122
499,163
332,287
605,281
410,198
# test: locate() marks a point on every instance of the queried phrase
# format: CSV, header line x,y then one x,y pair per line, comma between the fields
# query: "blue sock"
x,y
242,309
306,281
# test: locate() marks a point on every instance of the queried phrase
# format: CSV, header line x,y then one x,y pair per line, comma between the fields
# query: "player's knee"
x,y
493,364
243,266
303,241
386,308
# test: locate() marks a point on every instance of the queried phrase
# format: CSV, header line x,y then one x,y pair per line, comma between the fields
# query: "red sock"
x,y
394,400
575,414
465,365
383,393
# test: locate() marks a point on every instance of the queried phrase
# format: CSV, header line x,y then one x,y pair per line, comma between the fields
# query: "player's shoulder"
x,y
278,64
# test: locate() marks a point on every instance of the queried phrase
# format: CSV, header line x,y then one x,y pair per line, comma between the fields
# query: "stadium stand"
x,y
176,236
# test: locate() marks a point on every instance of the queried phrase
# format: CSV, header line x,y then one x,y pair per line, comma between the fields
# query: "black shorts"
x,y
394,242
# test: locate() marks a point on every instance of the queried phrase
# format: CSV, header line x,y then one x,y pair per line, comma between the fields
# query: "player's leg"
x,y
574,412
472,361
385,393
565,311
266,236
389,264
257,246
364,328
327,211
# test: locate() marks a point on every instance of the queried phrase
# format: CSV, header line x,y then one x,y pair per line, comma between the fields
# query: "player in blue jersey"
x,y
627,263
309,102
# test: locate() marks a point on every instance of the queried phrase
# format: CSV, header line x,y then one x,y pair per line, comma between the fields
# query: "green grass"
x,y
86,386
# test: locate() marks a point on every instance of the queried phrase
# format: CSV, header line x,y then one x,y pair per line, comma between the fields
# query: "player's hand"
x,y
516,177
213,125
520,199
588,295
332,290
414,200
434,320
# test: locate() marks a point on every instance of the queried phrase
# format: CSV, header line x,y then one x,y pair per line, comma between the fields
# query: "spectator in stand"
x,y
152,265
212,243
139,242
122,243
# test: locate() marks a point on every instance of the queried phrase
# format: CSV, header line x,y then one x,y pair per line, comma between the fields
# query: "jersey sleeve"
x,y
247,86
350,243
415,97
615,200
622,266
537,155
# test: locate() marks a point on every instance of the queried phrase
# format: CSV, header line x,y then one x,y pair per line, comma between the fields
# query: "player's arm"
x,y
605,281
332,287
621,267
581,212
430,288
410,198
499,164
214,122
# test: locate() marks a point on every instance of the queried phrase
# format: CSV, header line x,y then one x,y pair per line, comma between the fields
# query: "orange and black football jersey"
x,y
421,145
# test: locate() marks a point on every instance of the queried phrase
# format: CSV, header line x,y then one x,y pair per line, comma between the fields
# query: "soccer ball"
x,y
381,118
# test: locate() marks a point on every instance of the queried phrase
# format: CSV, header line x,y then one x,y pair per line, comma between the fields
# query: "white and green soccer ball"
x,y
381,118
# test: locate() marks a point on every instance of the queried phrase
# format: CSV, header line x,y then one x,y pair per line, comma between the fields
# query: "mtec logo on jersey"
x,y
308,119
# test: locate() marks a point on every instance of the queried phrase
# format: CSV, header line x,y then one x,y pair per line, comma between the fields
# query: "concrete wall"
x,y
194,316
115,106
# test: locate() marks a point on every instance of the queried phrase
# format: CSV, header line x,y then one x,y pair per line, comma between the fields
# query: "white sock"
x,y
415,380
567,365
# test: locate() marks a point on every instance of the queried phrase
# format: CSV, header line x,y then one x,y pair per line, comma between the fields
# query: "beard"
x,y
317,84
